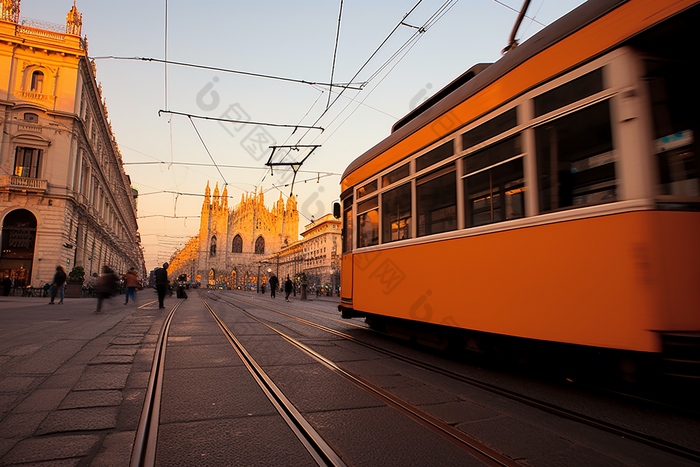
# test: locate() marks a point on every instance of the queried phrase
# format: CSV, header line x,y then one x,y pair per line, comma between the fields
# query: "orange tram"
x,y
550,197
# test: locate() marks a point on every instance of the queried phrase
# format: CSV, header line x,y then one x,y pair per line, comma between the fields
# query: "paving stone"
x,y
460,412
138,379
100,377
16,383
22,425
112,359
55,463
126,340
84,399
116,450
62,421
120,350
66,377
5,446
42,400
50,449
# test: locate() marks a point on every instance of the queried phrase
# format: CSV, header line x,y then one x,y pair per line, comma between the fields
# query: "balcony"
x,y
13,182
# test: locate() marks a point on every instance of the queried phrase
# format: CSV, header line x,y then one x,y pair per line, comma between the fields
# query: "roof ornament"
x,y
74,21
9,10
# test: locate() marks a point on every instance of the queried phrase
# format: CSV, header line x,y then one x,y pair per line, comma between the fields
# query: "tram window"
x,y
365,190
575,159
495,194
575,90
396,214
347,225
395,175
434,156
671,87
436,195
492,155
368,223
488,130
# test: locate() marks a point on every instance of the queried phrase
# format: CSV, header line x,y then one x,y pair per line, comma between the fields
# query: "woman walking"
x,y
131,280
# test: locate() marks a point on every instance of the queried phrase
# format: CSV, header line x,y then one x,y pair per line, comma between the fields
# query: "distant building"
x,y
233,245
317,255
64,196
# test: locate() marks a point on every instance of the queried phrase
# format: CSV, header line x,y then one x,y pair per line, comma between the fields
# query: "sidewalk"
x,y
72,382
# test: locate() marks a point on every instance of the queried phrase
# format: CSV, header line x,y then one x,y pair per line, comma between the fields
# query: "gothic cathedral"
x,y
233,245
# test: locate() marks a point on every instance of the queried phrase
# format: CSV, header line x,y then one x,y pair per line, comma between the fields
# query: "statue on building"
x,y
10,11
74,21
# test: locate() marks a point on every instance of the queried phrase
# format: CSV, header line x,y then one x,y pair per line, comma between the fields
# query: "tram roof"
x,y
482,75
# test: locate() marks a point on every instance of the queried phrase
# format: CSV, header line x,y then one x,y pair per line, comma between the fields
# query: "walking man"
x,y
288,286
274,282
161,283
59,278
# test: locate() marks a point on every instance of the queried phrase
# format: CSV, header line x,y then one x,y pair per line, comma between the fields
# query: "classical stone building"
x,y
233,245
317,255
64,196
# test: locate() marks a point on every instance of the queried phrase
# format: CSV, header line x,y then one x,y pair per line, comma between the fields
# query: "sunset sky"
x,y
281,39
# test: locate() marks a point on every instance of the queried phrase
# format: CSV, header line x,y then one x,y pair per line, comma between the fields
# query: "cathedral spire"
x,y
224,198
216,195
207,192
74,21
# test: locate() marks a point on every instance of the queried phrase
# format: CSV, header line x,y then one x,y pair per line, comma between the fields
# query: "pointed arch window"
x,y
260,246
212,247
237,246
37,84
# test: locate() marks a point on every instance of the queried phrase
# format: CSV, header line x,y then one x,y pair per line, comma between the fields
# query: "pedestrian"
x,y
131,280
287,288
162,284
59,278
107,285
274,282
6,285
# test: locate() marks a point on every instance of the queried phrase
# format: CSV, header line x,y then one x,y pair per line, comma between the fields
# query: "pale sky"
x,y
292,39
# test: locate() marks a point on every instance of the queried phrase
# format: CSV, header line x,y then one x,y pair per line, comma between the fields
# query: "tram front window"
x,y
396,214
347,225
368,223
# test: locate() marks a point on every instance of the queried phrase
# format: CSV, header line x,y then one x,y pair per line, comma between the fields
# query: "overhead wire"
x,y
207,149
349,85
335,50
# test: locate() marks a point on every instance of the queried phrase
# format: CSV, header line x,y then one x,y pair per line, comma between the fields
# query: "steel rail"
x,y
317,447
652,441
474,447
144,451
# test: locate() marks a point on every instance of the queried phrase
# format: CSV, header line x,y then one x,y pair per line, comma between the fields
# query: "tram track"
x,y
146,441
474,447
617,430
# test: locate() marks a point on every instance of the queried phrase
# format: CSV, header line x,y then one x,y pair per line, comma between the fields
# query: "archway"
x,y
18,241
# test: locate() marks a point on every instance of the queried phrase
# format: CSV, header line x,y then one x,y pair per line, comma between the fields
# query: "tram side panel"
x,y
597,282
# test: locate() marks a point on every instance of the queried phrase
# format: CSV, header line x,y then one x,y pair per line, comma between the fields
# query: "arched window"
x,y
37,82
212,248
237,244
260,246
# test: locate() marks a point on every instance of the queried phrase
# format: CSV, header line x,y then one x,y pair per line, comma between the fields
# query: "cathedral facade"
x,y
233,245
